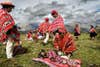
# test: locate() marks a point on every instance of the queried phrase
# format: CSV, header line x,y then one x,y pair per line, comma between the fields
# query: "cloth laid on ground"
x,y
53,59
71,63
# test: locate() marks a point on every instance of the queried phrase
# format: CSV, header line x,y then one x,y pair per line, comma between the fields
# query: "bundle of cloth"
x,y
56,59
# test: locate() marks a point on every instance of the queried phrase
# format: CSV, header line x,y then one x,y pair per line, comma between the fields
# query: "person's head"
x,y
77,25
46,19
10,38
60,31
15,26
92,26
54,13
8,6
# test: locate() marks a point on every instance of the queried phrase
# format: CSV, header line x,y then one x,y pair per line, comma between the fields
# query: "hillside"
x,y
88,52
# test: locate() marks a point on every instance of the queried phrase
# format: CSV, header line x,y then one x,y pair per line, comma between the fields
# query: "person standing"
x,y
43,29
57,23
77,31
29,36
6,24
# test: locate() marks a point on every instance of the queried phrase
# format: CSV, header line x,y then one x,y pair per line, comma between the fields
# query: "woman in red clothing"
x,y
92,32
64,41
77,31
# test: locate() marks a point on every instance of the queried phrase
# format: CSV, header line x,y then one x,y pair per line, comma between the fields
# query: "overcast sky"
x,y
91,4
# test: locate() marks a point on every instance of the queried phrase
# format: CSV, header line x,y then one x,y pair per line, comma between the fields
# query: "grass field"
x,y
88,52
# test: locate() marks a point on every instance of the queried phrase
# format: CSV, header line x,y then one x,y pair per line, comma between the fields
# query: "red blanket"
x,y
55,64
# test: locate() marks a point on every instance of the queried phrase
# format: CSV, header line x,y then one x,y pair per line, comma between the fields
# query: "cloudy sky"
x,y
87,5
84,4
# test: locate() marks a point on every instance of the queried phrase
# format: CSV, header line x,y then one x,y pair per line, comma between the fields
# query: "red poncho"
x,y
65,44
68,43
6,23
57,23
29,35
43,27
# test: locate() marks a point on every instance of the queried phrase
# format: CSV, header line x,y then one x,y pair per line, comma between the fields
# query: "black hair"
x,y
8,32
42,50
92,26
56,31
8,6
15,26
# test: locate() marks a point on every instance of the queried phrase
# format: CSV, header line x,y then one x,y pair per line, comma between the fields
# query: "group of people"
x,y
92,32
62,39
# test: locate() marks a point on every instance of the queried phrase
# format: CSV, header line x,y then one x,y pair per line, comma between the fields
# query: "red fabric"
x,y
51,54
6,22
55,64
62,30
54,12
92,30
68,43
47,19
57,41
29,35
43,27
57,23
65,44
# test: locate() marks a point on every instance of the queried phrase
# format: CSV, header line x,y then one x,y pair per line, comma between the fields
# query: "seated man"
x,y
43,29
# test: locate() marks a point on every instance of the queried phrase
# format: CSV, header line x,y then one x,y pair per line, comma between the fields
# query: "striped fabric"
x,y
6,22
43,27
57,23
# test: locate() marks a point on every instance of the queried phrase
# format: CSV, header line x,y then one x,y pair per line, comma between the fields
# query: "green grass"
x,y
88,51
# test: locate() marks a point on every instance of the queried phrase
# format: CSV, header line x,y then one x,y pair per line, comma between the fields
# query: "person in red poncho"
x,y
6,20
77,31
57,23
43,29
92,32
29,35
64,41
6,23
